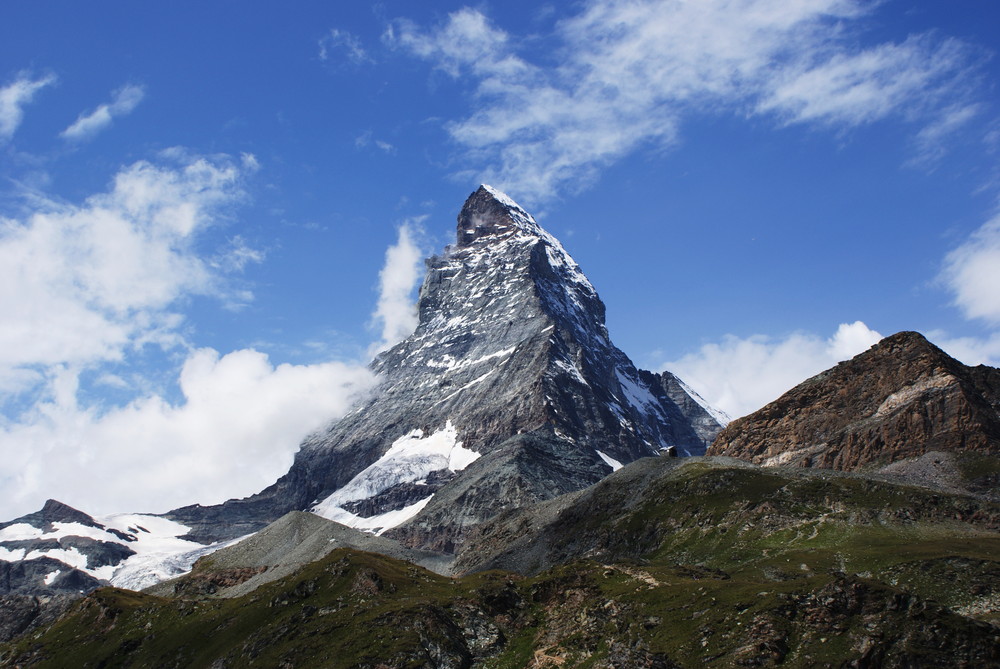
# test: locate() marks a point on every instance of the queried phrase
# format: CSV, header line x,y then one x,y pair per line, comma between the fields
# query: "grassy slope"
x,y
708,565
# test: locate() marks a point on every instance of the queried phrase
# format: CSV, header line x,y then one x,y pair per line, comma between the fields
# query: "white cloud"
x,y
740,376
972,272
14,97
344,42
858,88
630,72
124,100
396,311
236,430
89,291
970,350
83,284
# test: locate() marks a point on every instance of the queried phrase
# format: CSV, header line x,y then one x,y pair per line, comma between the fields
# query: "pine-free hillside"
x,y
665,563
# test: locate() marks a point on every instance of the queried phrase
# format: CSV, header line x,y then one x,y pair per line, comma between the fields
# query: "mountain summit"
x,y
902,400
508,392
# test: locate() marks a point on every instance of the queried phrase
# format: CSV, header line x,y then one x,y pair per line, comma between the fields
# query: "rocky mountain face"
x,y
902,400
508,392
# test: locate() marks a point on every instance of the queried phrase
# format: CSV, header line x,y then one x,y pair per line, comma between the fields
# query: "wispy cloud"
x,y
631,71
365,139
741,375
123,101
14,97
396,312
343,46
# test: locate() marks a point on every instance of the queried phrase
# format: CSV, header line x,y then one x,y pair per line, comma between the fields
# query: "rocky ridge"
x,y
902,400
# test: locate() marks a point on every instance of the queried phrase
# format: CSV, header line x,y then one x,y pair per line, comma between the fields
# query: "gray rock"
x,y
283,547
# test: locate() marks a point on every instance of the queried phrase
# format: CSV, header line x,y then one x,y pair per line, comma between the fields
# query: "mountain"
x,y
858,524
508,392
280,549
904,407
61,550
57,554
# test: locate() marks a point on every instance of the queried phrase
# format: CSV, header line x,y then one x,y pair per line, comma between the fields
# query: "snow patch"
x,y
20,532
502,197
51,576
572,370
70,556
638,396
383,521
467,385
160,550
7,555
614,464
142,571
721,417
410,459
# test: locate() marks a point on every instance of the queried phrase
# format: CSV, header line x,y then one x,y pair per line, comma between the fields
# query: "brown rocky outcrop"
x,y
902,398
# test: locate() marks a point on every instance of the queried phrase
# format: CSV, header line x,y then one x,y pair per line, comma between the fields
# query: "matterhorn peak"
x,y
491,213
509,391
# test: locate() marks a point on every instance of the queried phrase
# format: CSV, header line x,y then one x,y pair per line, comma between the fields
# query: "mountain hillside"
x,y
667,563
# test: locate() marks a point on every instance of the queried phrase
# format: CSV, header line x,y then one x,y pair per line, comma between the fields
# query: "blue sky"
x,y
213,213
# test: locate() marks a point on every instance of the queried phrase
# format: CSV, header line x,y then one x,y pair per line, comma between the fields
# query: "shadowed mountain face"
x,y
508,392
902,399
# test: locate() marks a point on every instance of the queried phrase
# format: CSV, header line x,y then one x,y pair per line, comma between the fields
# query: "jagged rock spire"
x,y
491,213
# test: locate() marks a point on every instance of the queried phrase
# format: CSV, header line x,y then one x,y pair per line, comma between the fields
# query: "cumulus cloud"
x,y
82,284
235,431
88,291
631,71
123,101
972,273
14,97
740,376
396,312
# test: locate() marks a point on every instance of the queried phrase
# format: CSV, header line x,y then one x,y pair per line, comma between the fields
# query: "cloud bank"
x,y
236,429
89,289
